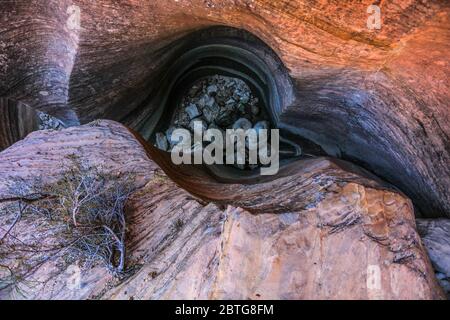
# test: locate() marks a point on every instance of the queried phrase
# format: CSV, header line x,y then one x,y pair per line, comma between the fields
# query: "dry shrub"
x,y
82,214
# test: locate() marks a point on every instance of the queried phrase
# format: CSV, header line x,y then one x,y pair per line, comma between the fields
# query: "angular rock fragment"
x,y
210,113
212,89
255,109
209,102
203,123
169,136
225,118
161,141
242,123
192,111
48,122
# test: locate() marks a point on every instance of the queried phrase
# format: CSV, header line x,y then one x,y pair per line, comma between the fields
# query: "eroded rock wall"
x,y
375,97
37,54
357,241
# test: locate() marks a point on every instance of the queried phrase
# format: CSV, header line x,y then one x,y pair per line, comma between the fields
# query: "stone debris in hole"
x,y
47,122
219,102
161,141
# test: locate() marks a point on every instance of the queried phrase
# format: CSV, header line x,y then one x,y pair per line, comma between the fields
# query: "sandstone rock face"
x,y
299,256
378,97
44,154
18,120
351,246
43,157
357,240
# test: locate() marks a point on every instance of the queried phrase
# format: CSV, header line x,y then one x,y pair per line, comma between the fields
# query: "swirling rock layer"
x,y
375,97
356,241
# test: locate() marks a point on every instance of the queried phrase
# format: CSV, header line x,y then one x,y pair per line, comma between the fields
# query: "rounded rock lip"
x,y
223,51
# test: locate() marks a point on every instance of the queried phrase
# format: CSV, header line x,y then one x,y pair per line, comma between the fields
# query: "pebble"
x,y
192,111
194,90
242,123
214,111
161,141
211,89
204,124
254,109
245,97
169,136
48,122
230,102
210,101
225,118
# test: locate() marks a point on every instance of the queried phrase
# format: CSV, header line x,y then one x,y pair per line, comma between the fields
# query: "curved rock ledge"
x,y
357,242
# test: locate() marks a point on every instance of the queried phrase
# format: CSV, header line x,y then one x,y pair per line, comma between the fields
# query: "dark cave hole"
x,y
226,53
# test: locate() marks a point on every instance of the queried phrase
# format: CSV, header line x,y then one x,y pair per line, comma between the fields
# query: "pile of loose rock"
x,y
219,102
46,122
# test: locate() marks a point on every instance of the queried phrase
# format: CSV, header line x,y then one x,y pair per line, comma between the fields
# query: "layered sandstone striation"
x,y
358,240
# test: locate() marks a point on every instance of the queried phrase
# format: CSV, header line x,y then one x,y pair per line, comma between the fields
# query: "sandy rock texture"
x,y
356,241
42,158
314,254
44,154
19,119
